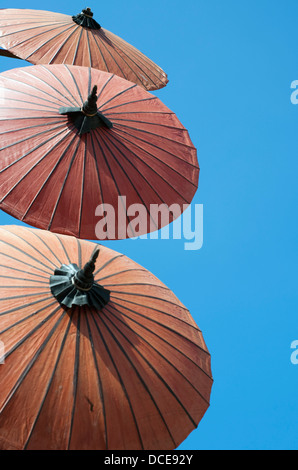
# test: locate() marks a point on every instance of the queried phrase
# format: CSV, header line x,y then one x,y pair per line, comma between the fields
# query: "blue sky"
x,y
230,67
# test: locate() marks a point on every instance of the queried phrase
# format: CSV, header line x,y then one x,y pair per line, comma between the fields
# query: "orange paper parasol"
x,y
63,155
43,37
101,357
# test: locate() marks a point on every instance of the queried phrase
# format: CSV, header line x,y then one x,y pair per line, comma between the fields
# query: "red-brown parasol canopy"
x,y
61,155
101,357
43,37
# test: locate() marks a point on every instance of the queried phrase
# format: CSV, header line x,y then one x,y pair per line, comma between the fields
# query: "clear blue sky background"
x,y
230,66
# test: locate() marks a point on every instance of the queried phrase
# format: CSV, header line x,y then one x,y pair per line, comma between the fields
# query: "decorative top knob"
x,y
85,19
90,106
87,117
87,12
73,286
84,278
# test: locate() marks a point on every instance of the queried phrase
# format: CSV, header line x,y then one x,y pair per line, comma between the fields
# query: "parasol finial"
x,y
73,286
87,11
90,106
84,279
85,19
87,117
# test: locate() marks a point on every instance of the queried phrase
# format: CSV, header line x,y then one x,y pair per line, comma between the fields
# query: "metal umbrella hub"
x,y
87,117
85,18
73,286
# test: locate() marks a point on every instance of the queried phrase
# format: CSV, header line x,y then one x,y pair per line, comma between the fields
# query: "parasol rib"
x,y
143,339
49,384
120,379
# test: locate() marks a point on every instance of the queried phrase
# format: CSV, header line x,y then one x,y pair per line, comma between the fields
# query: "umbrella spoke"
x,y
132,102
103,46
24,279
31,315
64,85
125,352
133,52
100,186
79,253
112,140
21,307
150,143
159,125
51,173
63,247
27,337
136,67
24,272
23,262
33,126
15,31
107,264
77,45
45,45
103,59
30,170
38,134
99,379
23,92
75,374
117,95
162,337
82,192
48,110
147,388
138,294
47,245
99,329
23,252
142,338
97,138
131,179
161,136
63,185
106,83
129,160
141,270
89,50
33,246
63,45
51,378
23,296
151,155
151,319
54,91
151,312
69,69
